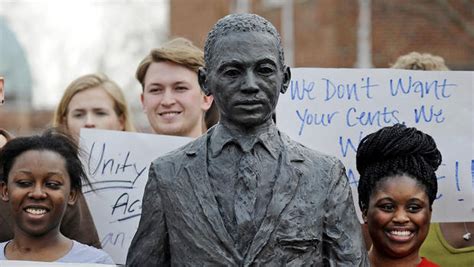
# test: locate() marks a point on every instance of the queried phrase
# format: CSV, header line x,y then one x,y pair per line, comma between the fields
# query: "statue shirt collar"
x,y
221,136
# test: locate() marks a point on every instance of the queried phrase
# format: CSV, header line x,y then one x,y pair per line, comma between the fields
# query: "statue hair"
x,y
235,23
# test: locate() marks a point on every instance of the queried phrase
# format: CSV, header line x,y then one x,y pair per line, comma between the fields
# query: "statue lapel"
x,y
286,183
196,168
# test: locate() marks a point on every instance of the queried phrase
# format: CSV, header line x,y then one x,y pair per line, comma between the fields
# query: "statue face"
x,y
245,78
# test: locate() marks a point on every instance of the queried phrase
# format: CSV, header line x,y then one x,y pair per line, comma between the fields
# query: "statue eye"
x,y
232,73
266,70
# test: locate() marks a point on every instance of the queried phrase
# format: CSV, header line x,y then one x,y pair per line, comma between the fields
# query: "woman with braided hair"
x,y
448,243
397,188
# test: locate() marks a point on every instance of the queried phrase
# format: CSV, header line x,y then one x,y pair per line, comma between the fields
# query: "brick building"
x,y
325,31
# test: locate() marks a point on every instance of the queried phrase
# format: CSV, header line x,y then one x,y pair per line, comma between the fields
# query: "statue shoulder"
x,y
183,152
311,154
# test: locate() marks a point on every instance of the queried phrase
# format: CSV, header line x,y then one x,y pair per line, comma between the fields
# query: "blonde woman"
x,y
92,101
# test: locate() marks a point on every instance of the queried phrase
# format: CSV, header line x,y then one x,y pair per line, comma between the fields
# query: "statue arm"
x,y
344,245
150,245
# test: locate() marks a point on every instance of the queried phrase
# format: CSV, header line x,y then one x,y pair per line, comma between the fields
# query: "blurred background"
x,y
45,44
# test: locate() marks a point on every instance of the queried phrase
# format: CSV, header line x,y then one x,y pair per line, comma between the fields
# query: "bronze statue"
x,y
244,193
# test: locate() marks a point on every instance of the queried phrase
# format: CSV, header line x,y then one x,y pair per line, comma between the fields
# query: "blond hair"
x,y
417,61
180,51
92,81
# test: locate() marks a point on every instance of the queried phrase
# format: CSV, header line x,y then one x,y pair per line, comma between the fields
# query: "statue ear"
x,y
286,79
202,78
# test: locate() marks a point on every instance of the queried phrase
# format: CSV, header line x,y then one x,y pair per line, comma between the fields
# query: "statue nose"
x,y
250,83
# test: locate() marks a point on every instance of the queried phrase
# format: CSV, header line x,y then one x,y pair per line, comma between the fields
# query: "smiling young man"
x,y
244,193
172,98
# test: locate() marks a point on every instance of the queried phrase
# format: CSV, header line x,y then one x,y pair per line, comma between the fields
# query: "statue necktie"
x,y
244,200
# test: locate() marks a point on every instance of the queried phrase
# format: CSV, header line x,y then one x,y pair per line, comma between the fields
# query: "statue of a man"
x,y
244,193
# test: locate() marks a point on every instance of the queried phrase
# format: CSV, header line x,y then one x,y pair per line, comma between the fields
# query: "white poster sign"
x,y
331,110
117,164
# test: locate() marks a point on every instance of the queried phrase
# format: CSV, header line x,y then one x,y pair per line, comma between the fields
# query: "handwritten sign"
x,y
117,164
331,110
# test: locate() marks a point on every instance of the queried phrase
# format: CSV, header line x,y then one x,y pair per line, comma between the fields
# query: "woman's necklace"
x,y
467,235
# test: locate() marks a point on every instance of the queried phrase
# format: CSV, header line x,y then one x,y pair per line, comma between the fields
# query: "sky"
x,y
64,39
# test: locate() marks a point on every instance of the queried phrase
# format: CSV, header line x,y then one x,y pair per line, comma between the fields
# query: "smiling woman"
x,y
92,101
397,188
42,176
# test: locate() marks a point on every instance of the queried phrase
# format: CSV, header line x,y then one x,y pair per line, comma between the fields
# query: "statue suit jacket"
x,y
310,219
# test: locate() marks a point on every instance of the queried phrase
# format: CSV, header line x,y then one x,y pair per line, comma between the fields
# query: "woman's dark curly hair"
x,y
51,140
396,150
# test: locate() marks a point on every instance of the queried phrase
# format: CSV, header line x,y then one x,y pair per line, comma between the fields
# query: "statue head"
x,y
245,70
